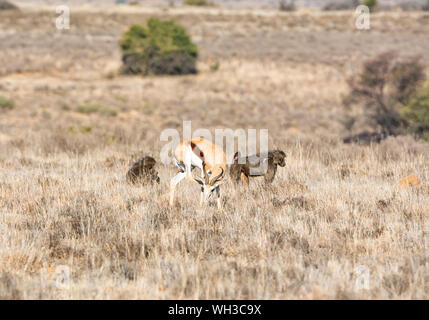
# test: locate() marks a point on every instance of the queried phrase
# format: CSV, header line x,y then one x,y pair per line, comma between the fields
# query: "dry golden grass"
x,y
64,199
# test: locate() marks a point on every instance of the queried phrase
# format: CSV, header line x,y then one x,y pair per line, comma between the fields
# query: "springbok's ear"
x,y
218,185
199,181
236,155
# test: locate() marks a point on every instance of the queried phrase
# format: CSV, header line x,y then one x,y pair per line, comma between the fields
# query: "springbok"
x,y
209,157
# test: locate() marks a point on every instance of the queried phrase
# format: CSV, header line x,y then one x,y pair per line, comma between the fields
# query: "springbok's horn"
x,y
217,177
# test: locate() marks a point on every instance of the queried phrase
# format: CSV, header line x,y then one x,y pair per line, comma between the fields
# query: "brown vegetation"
x,y
384,86
6,5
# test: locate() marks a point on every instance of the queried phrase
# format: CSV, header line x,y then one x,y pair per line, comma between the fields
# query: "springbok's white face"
x,y
212,179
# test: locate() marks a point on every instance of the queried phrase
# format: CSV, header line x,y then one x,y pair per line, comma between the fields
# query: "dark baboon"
x,y
143,171
256,166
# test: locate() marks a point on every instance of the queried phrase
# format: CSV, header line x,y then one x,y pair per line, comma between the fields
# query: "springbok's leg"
x,y
202,196
244,179
218,197
174,181
202,188
188,166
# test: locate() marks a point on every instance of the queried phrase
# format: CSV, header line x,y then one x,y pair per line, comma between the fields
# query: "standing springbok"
x,y
209,157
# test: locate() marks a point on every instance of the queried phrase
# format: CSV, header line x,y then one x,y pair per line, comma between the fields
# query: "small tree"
x,y
384,85
163,47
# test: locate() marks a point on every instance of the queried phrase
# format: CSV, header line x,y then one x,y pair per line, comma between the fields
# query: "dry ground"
x,y
335,207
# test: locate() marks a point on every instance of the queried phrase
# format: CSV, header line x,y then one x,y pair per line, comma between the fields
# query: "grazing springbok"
x,y
208,157
256,166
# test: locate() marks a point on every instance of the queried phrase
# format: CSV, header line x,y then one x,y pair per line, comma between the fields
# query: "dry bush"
x,y
384,85
6,5
341,5
412,5
9,288
396,147
287,5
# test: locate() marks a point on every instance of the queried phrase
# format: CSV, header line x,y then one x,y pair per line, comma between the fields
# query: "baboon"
x,y
256,166
143,171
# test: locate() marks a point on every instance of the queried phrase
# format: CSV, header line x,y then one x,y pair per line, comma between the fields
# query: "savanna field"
x,y
71,125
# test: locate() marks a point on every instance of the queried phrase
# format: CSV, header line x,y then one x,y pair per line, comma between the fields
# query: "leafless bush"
x,y
411,5
385,83
341,5
393,148
8,286
287,5
6,5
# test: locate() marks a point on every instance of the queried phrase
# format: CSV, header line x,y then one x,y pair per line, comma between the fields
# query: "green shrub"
x,y
371,4
407,77
416,113
215,66
97,108
196,3
6,104
81,130
163,47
